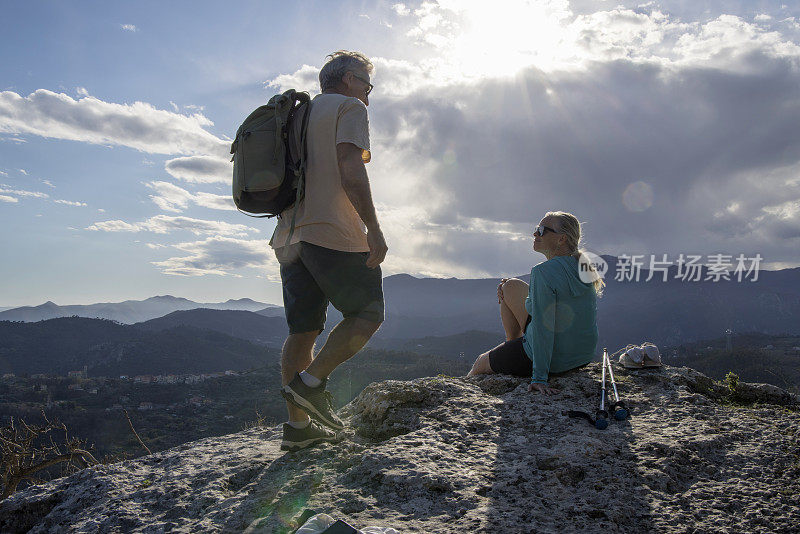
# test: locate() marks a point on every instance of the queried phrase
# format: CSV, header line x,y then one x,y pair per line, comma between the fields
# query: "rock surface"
x,y
440,455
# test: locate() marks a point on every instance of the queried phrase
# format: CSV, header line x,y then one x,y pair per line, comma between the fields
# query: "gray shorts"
x,y
313,276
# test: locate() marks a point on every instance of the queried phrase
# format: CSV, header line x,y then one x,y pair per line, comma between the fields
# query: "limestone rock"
x,y
441,454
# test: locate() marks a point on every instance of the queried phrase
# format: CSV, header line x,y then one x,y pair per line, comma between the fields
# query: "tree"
x,y
29,449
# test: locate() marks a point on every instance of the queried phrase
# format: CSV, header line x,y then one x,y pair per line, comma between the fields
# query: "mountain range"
x,y
665,312
130,311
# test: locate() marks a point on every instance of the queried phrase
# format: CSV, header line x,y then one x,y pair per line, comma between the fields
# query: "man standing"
x,y
333,253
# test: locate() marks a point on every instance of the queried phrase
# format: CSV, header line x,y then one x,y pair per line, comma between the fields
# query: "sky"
x,y
665,127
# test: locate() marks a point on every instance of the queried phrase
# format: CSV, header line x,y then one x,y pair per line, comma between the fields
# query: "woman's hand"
x,y
543,388
500,290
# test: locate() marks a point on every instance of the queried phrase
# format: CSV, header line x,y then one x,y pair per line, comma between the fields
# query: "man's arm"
x,y
356,185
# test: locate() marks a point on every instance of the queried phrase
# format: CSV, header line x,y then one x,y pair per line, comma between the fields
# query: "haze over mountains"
x,y
129,311
667,312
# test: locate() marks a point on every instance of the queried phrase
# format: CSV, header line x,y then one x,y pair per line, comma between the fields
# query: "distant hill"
x,y
106,348
253,327
754,357
465,346
665,312
129,311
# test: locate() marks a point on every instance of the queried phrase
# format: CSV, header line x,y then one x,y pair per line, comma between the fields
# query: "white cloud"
x,y
114,226
401,9
217,202
23,193
420,247
221,256
3,173
728,41
469,42
170,197
81,91
4,198
762,16
163,224
23,171
200,169
129,27
139,125
306,78
70,203
48,183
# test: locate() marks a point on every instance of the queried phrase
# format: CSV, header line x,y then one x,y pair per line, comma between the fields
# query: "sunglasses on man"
x,y
369,89
540,230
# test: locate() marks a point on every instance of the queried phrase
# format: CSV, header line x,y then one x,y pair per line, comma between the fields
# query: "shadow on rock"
x,y
556,474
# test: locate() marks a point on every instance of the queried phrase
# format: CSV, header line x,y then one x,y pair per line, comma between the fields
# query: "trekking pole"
x,y
620,410
601,417
600,420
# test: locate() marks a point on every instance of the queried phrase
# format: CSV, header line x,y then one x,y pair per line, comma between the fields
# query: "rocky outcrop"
x,y
481,454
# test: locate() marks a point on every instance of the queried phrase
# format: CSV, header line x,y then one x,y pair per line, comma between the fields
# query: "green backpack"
x,y
269,155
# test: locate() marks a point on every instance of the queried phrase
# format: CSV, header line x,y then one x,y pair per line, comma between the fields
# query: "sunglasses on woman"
x,y
540,230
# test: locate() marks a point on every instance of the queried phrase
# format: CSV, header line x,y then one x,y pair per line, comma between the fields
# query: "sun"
x,y
496,39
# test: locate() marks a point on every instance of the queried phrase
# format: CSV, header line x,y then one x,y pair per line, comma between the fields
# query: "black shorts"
x,y
312,276
509,358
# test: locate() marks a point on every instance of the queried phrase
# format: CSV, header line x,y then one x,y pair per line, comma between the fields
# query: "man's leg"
x,y
344,341
305,305
300,432
353,289
295,357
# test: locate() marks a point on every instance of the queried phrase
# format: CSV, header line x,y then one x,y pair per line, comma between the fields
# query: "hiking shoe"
x,y
316,402
652,356
636,357
632,357
295,439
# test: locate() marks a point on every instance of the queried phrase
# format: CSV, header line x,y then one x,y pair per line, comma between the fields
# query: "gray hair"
x,y
570,227
340,62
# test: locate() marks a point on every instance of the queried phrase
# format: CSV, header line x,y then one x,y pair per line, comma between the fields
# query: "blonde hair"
x,y
337,66
569,225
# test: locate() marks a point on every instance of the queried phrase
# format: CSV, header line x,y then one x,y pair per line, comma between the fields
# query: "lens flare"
x,y
638,196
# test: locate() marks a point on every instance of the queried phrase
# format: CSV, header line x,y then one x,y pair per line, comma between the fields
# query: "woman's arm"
x,y
542,327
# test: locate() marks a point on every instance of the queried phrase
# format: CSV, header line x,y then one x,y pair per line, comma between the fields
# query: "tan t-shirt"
x,y
326,217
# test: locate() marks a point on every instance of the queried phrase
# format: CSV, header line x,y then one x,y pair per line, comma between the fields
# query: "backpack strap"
x,y
300,173
279,125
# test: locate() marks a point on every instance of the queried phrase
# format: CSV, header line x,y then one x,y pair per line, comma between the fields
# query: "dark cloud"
x,y
702,139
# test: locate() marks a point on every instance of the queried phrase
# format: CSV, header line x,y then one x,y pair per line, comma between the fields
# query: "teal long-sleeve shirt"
x,y
562,333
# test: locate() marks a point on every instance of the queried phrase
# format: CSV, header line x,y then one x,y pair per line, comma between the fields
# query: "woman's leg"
x,y
512,307
481,366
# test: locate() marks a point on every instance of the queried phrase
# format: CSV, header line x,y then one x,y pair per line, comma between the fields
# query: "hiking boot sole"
x,y
291,396
292,446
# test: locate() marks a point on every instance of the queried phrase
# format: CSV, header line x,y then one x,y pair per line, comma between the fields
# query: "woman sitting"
x,y
550,325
